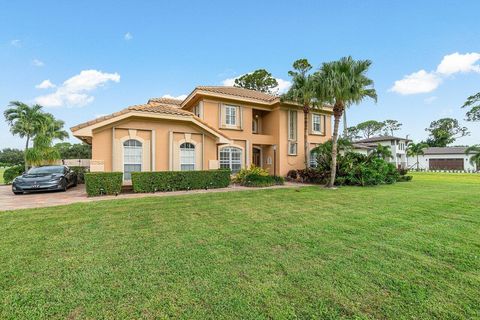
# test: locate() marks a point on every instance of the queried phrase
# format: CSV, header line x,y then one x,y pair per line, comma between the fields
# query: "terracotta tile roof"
x,y
151,107
160,108
239,92
167,101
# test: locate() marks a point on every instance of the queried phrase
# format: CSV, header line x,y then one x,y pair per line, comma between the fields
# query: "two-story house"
x,y
398,147
214,127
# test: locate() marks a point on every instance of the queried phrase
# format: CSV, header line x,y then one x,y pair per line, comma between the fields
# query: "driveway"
x,y
9,201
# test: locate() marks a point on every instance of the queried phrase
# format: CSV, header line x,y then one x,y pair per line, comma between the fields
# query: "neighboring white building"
x,y
447,158
398,147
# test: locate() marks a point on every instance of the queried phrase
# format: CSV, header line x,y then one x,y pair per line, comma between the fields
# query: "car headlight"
x,y
56,178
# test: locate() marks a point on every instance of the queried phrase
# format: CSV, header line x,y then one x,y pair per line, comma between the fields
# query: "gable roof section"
x,y
153,110
148,107
235,93
166,101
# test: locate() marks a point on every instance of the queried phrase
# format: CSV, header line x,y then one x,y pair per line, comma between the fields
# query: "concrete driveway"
x,y
9,201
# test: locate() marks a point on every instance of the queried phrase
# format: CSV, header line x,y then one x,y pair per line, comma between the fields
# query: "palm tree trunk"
x,y
305,134
418,164
25,152
337,114
345,131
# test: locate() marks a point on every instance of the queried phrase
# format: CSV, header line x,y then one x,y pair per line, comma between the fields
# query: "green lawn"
x,y
405,251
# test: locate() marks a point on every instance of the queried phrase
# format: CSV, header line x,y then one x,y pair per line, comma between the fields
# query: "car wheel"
x,y
64,185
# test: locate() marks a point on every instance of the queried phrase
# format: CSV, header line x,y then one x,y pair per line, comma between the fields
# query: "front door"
x,y
257,157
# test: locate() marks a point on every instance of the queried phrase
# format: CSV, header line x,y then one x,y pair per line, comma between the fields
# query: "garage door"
x,y
446,164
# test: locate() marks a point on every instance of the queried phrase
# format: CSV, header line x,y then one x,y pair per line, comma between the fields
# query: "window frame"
x,y
190,148
229,116
314,123
229,161
292,132
137,147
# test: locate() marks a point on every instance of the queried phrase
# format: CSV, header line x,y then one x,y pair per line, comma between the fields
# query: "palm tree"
x,y
416,149
303,92
42,151
24,121
53,128
475,158
383,152
343,83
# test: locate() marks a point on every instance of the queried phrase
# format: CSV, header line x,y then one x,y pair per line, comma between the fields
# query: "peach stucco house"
x,y
214,127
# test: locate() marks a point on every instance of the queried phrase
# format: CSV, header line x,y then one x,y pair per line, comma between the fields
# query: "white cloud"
x,y
180,97
429,100
16,43
282,87
37,63
128,36
456,62
45,84
424,82
417,82
73,92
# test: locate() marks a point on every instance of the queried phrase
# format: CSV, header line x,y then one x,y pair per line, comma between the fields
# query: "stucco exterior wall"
x,y
160,140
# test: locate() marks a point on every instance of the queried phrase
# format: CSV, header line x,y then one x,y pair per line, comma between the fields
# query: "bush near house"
x,y
353,169
180,180
103,183
256,177
11,173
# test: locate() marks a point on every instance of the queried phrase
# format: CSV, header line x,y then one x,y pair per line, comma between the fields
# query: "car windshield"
x,y
46,170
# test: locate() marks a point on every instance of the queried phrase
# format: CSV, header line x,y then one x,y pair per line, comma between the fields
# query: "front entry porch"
x,y
262,156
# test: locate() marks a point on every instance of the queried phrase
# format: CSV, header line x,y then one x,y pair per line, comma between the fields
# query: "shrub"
x,y
180,180
405,178
103,183
312,175
292,174
80,171
240,176
11,173
255,180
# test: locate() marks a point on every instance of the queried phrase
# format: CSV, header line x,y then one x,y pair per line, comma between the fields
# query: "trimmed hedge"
x,y
179,180
103,183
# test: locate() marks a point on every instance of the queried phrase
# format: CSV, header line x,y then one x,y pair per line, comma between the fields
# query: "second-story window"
x,y
292,125
292,132
230,115
317,123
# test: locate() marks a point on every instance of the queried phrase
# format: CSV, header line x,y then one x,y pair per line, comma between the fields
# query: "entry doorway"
x,y
257,157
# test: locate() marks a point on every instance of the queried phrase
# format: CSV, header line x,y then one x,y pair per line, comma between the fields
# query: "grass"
x,y
405,251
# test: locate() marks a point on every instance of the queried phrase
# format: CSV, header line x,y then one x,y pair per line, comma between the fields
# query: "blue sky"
x,y
102,56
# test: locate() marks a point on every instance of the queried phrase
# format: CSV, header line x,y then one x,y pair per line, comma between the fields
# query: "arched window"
x,y
187,156
231,158
132,158
313,159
